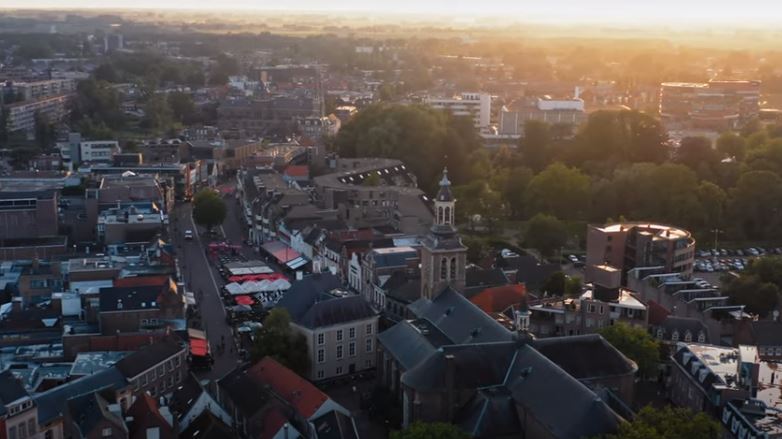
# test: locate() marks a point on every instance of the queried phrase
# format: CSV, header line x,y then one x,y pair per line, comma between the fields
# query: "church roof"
x,y
445,194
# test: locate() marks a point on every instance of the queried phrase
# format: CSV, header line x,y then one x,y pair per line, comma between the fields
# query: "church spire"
x,y
444,203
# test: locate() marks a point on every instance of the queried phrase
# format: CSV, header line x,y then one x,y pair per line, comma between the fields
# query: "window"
x,y
170,365
161,370
447,215
352,333
369,328
602,309
177,361
143,380
48,435
675,336
339,352
352,349
687,336
321,374
31,427
321,355
22,430
106,432
660,333
339,335
443,268
453,268
368,363
321,339
339,370
11,432
701,337
369,345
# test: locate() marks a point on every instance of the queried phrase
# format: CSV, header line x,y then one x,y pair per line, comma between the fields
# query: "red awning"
x,y
199,347
256,277
280,251
244,300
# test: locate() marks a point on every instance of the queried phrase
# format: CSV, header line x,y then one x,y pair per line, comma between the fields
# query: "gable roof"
x,y
459,319
88,410
11,389
247,394
491,413
130,298
498,299
556,399
185,395
585,356
146,414
51,403
149,356
286,384
207,426
310,305
408,345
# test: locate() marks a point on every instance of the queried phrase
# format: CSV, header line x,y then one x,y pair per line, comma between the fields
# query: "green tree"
x,y
560,191
554,285
613,137
573,286
158,116
534,146
208,209
732,145
425,139
430,430
712,200
755,204
636,344
758,287
372,180
182,106
545,233
106,72
276,339
695,151
668,423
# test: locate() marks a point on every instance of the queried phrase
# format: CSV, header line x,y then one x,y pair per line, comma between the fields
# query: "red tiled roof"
x,y
657,313
141,281
146,414
297,391
498,299
298,170
273,421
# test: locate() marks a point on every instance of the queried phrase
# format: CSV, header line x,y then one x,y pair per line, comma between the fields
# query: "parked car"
x,y
188,234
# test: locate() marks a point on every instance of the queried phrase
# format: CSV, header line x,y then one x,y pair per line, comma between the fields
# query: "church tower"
x,y
443,256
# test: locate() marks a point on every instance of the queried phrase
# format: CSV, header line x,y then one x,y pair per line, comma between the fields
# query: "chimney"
x,y
16,304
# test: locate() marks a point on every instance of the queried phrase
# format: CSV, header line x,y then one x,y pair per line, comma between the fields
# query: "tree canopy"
x,y
545,233
758,287
636,344
276,339
668,423
425,139
208,209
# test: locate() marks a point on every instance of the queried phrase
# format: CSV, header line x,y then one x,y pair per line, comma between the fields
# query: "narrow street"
x,y
203,280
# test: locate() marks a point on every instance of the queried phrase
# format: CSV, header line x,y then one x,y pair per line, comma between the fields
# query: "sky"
x,y
745,12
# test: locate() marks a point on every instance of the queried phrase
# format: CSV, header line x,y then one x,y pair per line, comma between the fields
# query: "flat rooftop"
x,y
88,363
659,230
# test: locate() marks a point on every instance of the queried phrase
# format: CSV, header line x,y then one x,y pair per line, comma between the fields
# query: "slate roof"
x,y
474,366
408,345
335,425
402,287
310,305
88,410
131,298
529,270
767,332
694,326
491,413
185,395
149,356
477,277
246,393
51,403
11,389
585,356
207,426
459,319
557,400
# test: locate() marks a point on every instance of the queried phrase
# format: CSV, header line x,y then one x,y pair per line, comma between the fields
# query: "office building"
x,y
476,106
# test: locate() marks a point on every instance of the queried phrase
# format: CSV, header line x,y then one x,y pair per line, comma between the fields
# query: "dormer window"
x,y
675,336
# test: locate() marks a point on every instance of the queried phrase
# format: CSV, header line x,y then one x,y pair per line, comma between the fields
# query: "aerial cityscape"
x,y
405,220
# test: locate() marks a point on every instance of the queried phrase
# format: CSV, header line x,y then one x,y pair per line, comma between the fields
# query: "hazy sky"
x,y
746,12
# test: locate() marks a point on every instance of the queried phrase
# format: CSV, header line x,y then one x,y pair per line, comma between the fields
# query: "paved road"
x,y
199,275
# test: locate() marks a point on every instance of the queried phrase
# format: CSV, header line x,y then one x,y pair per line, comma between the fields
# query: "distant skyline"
x,y
698,12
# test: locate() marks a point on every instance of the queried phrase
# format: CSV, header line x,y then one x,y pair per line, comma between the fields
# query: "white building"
x,y
21,115
77,151
474,105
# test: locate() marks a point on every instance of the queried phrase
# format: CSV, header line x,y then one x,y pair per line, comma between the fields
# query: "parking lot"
x,y
722,260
